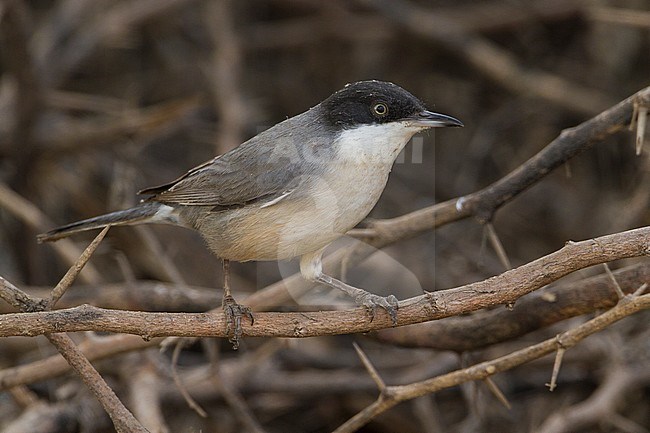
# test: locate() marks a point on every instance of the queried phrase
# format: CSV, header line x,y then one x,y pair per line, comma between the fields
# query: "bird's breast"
x,y
327,201
322,209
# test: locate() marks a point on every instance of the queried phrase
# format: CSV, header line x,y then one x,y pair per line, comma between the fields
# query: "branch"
x,y
481,204
396,394
484,203
145,394
123,420
600,407
497,290
530,313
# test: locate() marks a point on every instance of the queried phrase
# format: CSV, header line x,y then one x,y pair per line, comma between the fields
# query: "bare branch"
x,y
500,289
69,277
600,406
482,204
123,420
489,368
179,383
534,311
370,368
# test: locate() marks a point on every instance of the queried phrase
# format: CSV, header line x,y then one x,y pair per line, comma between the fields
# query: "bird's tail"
x,y
135,215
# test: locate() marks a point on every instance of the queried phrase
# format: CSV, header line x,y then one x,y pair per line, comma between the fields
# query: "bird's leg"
x,y
232,309
311,268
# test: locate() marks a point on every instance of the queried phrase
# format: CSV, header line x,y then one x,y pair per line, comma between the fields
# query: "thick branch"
x,y
501,289
123,420
532,312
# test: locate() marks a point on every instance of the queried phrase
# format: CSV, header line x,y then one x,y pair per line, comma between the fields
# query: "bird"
x,y
291,190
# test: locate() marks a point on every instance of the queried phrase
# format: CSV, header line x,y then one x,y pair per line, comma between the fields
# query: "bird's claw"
x,y
234,313
388,303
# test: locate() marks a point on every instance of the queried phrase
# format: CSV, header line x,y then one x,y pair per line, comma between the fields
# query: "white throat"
x,y
379,144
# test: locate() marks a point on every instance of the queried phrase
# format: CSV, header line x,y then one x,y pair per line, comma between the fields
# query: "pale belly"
x,y
298,224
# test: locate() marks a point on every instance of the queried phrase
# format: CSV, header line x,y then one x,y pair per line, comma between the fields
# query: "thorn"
x,y
556,366
497,392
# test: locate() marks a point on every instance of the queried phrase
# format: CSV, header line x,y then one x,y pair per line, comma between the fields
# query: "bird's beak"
x,y
429,119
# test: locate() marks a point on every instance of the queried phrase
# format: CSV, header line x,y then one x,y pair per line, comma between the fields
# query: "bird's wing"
x,y
250,173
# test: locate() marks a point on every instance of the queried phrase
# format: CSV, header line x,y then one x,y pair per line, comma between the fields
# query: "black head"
x,y
377,102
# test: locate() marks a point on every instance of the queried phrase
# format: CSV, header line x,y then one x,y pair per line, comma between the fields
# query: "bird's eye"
x,y
380,109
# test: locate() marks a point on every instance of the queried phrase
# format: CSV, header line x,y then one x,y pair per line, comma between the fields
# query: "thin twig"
x,y
599,408
229,393
123,420
20,300
74,271
54,366
640,290
24,396
372,371
224,74
145,394
179,383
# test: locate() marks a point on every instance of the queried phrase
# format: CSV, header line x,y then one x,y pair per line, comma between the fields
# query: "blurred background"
x,y
101,98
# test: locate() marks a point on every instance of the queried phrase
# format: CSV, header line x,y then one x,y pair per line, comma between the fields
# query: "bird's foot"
x,y
234,313
371,302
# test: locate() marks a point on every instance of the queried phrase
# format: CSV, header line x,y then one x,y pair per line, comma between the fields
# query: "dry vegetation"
x,y
100,98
